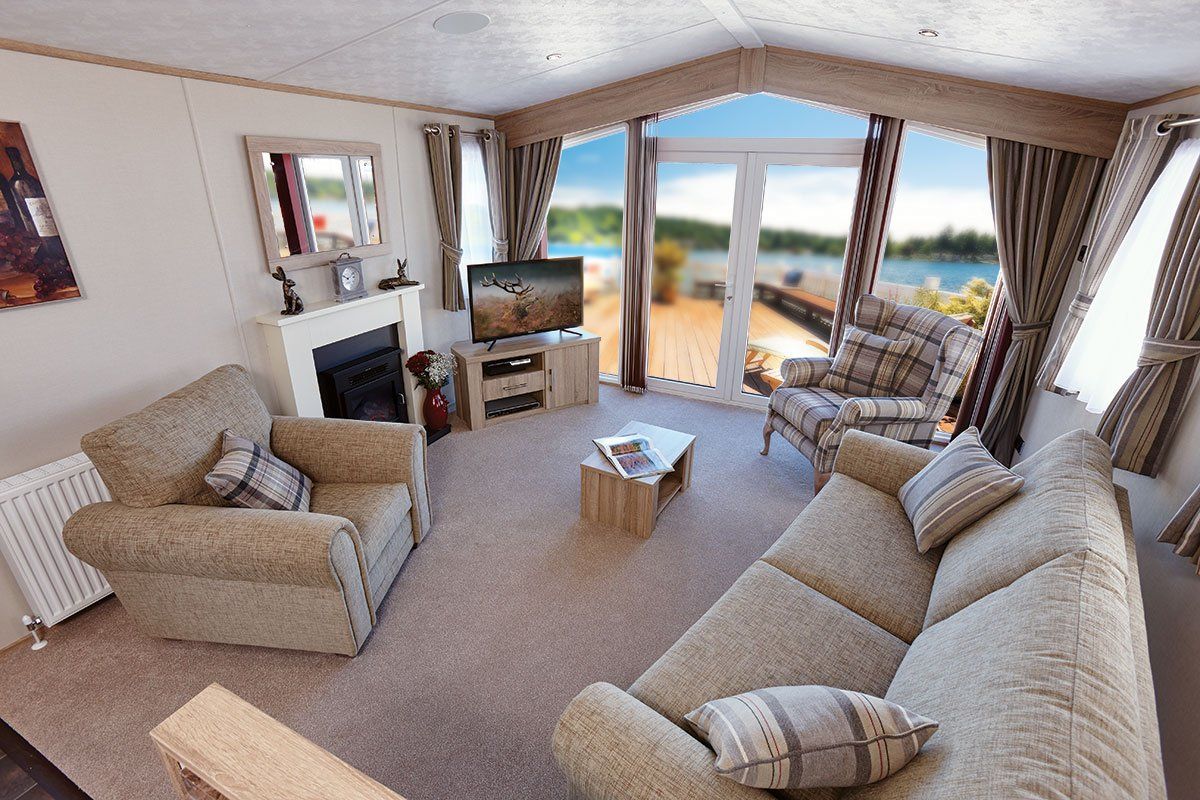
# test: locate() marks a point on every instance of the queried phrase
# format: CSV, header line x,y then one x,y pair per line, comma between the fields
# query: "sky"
x,y
941,182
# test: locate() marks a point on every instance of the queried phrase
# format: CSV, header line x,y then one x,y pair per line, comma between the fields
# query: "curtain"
x,y
1040,199
637,250
997,337
475,236
1141,420
493,165
1140,156
1106,347
445,167
1183,530
531,172
869,225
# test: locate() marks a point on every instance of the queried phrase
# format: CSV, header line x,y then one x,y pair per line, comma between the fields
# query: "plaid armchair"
x,y
814,419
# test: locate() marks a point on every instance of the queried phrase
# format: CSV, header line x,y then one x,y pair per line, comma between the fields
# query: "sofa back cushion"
x,y
1066,505
1035,690
160,455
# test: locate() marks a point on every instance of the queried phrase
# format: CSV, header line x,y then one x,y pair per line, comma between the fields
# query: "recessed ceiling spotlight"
x,y
462,22
554,57
928,33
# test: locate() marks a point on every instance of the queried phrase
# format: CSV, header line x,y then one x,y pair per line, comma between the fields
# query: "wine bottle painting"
x,y
34,267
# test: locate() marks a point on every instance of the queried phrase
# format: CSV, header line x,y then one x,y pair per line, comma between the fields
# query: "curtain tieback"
x,y
452,251
1166,351
1030,330
1080,304
500,244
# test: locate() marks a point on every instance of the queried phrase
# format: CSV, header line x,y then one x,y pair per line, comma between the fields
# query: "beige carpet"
x,y
508,609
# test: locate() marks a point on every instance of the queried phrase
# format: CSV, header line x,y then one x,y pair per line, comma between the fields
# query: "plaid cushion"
x,y
809,410
867,365
960,485
793,737
249,476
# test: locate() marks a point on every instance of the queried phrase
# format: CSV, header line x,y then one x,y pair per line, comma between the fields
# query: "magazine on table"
x,y
633,456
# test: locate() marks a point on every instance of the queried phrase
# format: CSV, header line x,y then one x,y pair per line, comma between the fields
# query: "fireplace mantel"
x,y
291,341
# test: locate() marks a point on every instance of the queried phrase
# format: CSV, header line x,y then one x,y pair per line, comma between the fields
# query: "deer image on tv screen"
x,y
513,299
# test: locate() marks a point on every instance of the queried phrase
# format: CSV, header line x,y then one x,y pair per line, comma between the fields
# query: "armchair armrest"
x,y
878,461
356,451
804,371
858,411
613,747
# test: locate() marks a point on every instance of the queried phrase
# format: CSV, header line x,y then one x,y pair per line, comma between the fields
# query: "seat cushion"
x,y
769,629
160,455
809,409
378,510
1035,690
854,544
1067,504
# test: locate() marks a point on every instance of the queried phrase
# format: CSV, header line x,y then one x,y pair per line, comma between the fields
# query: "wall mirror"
x,y
317,199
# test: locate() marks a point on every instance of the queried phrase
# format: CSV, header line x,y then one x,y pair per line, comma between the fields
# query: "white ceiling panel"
x,y
247,38
461,71
1112,49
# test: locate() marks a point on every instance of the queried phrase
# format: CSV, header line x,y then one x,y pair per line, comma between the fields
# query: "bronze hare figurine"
x,y
401,278
292,304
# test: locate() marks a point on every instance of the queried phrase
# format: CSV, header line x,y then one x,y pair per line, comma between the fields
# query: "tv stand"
x,y
571,331
561,372
492,344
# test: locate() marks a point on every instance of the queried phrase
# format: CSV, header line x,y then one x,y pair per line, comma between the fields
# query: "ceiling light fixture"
x,y
554,57
928,33
461,22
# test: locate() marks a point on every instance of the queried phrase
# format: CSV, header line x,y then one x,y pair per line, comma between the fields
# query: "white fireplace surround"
x,y
292,340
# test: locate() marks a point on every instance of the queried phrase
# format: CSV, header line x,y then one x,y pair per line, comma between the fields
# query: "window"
x,y
586,213
1105,350
763,116
941,248
476,226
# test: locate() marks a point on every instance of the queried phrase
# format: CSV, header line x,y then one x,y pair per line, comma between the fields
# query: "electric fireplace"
x,y
370,388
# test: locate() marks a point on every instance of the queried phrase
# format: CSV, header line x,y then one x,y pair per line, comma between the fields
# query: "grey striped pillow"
x,y
794,737
960,485
251,476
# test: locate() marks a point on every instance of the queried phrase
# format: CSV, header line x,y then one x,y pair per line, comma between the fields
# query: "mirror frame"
x,y
256,146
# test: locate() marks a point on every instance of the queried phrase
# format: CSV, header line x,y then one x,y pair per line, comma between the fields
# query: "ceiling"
x,y
1110,49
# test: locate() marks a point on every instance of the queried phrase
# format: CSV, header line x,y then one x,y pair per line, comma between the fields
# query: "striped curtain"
x,y
493,168
1183,531
1142,419
1140,156
532,169
869,226
637,250
445,168
1040,199
997,337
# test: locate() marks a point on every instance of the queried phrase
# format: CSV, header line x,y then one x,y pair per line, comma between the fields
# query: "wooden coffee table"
x,y
634,505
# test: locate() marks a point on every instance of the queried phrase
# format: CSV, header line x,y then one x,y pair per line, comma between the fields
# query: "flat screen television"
x,y
515,298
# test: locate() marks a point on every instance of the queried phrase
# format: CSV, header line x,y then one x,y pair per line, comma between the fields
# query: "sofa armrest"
x,y
356,451
285,548
806,371
858,411
614,747
878,461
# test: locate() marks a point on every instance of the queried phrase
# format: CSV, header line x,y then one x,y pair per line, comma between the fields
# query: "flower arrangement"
x,y
431,368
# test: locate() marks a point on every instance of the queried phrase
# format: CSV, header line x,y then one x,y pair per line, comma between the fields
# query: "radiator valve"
x,y
34,625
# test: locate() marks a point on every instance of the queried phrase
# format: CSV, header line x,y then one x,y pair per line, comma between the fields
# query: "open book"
x,y
633,456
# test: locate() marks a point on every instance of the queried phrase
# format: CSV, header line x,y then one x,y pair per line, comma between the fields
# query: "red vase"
x,y
436,409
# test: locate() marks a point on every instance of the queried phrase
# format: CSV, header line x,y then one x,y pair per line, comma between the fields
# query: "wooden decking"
x,y
685,338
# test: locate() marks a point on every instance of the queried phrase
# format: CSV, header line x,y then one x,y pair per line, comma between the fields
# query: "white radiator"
x,y
33,508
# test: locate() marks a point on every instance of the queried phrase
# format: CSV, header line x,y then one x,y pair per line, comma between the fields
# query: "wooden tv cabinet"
x,y
564,370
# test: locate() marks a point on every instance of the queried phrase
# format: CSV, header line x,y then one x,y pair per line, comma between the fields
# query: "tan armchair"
x,y
186,565
814,419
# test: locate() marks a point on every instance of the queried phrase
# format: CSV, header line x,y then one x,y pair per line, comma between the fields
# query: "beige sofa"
x,y
1024,637
185,565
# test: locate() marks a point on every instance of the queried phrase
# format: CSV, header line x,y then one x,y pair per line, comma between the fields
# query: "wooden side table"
x,y
219,747
634,505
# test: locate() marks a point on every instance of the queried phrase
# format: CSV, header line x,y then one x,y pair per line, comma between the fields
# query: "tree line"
x,y
602,225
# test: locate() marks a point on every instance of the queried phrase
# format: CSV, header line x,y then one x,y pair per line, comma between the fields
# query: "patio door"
x,y
749,241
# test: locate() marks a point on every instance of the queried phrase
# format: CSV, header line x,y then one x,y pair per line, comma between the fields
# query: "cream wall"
x,y
1170,584
148,178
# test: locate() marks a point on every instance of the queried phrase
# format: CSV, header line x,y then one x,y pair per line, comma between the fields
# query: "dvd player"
x,y
511,405
506,365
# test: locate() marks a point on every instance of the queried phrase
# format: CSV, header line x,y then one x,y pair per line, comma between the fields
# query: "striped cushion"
x,y
867,365
793,737
960,485
249,476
